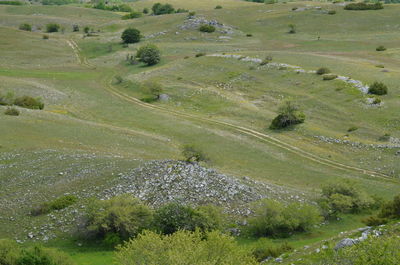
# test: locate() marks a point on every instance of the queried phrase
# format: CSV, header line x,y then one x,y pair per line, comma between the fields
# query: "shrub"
x,y
183,247
292,28
75,28
25,26
29,102
380,66
331,12
288,115
117,219
12,112
391,209
364,6
86,30
322,71
264,249
381,48
328,77
267,60
275,219
149,54
191,14
162,9
7,99
344,197
152,88
45,37
57,204
131,15
173,217
193,154
378,88
131,35
249,35
12,3
145,10
218,7
13,254
207,28
52,27
200,54
352,129
385,137
181,10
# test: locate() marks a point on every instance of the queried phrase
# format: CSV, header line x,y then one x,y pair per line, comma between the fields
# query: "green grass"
x,y
82,117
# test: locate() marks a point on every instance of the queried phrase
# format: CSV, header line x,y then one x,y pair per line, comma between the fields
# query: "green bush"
x,y
131,15
288,115
322,71
352,129
25,26
218,7
344,197
207,28
380,48
374,221
57,204
7,99
267,60
174,216
364,6
117,219
13,254
45,37
12,112
275,219
331,12
162,9
29,102
131,35
12,3
391,209
292,28
149,54
145,10
193,154
75,28
249,35
200,54
378,88
328,77
152,88
52,27
183,247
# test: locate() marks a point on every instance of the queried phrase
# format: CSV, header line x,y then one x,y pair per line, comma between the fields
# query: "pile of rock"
x,y
160,182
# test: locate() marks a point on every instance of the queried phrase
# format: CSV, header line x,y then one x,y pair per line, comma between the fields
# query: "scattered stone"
x,y
347,242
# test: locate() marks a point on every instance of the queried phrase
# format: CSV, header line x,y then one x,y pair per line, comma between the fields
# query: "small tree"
x,y
289,114
292,28
86,30
12,111
25,26
75,28
149,54
322,71
207,28
52,27
378,88
193,154
145,10
131,35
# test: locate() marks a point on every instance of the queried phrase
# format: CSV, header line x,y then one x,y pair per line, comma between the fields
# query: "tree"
x,y
131,35
378,88
119,218
182,248
149,54
288,115
160,9
292,28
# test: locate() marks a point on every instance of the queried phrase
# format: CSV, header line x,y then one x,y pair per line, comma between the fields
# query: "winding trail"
x,y
243,130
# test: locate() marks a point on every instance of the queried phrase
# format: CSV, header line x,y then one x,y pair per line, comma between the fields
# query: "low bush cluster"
x,y
264,249
25,26
132,15
29,102
388,211
272,218
193,154
11,3
12,112
378,88
52,27
58,2
13,254
162,9
207,28
116,8
124,217
322,71
380,48
364,6
57,204
288,115
344,197
183,247
328,77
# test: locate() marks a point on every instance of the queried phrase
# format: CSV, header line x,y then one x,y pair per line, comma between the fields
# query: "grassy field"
x,y
93,128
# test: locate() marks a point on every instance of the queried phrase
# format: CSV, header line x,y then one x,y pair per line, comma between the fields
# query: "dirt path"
x,y
243,130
